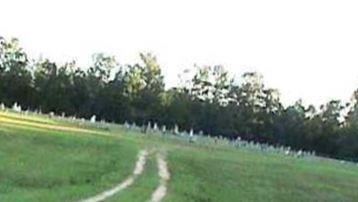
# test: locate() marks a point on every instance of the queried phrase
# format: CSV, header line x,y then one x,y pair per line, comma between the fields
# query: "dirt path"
x,y
126,183
164,175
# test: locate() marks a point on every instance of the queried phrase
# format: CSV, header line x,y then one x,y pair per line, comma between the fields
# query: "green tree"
x,y
15,69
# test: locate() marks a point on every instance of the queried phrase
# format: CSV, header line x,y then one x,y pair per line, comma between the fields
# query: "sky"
x,y
306,49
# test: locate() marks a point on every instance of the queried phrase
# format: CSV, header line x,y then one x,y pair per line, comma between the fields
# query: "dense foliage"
x,y
208,100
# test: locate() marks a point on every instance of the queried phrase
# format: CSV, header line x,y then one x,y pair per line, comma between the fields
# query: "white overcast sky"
x,y
307,49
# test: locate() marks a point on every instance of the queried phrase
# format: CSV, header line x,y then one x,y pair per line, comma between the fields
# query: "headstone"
x,y
16,107
126,125
93,119
216,139
155,127
191,133
133,126
149,127
143,129
51,114
164,129
176,129
191,136
299,154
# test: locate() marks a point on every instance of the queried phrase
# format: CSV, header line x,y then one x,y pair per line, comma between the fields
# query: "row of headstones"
x,y
92,120
150,128
17,108
272,149
238,143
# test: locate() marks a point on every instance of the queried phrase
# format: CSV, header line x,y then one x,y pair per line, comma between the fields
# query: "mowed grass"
x,y
220,173
227,175
40,163
29,118
18,122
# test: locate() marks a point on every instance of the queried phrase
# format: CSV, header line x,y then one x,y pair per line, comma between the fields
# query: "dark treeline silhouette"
x,y
207,100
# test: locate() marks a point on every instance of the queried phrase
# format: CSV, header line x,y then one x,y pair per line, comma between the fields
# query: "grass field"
x,y
43,159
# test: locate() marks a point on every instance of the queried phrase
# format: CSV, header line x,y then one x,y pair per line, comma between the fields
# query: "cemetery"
x,y
164,160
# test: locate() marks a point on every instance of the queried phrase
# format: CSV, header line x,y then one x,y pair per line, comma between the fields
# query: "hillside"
x,y
56,159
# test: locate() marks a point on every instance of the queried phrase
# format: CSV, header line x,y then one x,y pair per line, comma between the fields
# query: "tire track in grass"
x,y
143,187
142,157
164,175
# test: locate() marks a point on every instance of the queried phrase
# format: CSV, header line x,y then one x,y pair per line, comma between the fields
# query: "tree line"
x,y
208,99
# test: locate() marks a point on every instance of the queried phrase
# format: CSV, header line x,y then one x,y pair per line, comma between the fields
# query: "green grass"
x,y
40,165
32,118
241,176
44,164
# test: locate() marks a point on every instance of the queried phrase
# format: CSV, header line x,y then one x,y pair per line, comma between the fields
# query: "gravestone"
x,y
16,107
134,126
176,129
2,106
191,136
149,127
126,125
299,154
155,127
93,119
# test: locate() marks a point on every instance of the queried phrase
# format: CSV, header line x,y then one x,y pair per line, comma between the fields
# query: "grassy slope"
x,y
46,165
242,176
220,173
